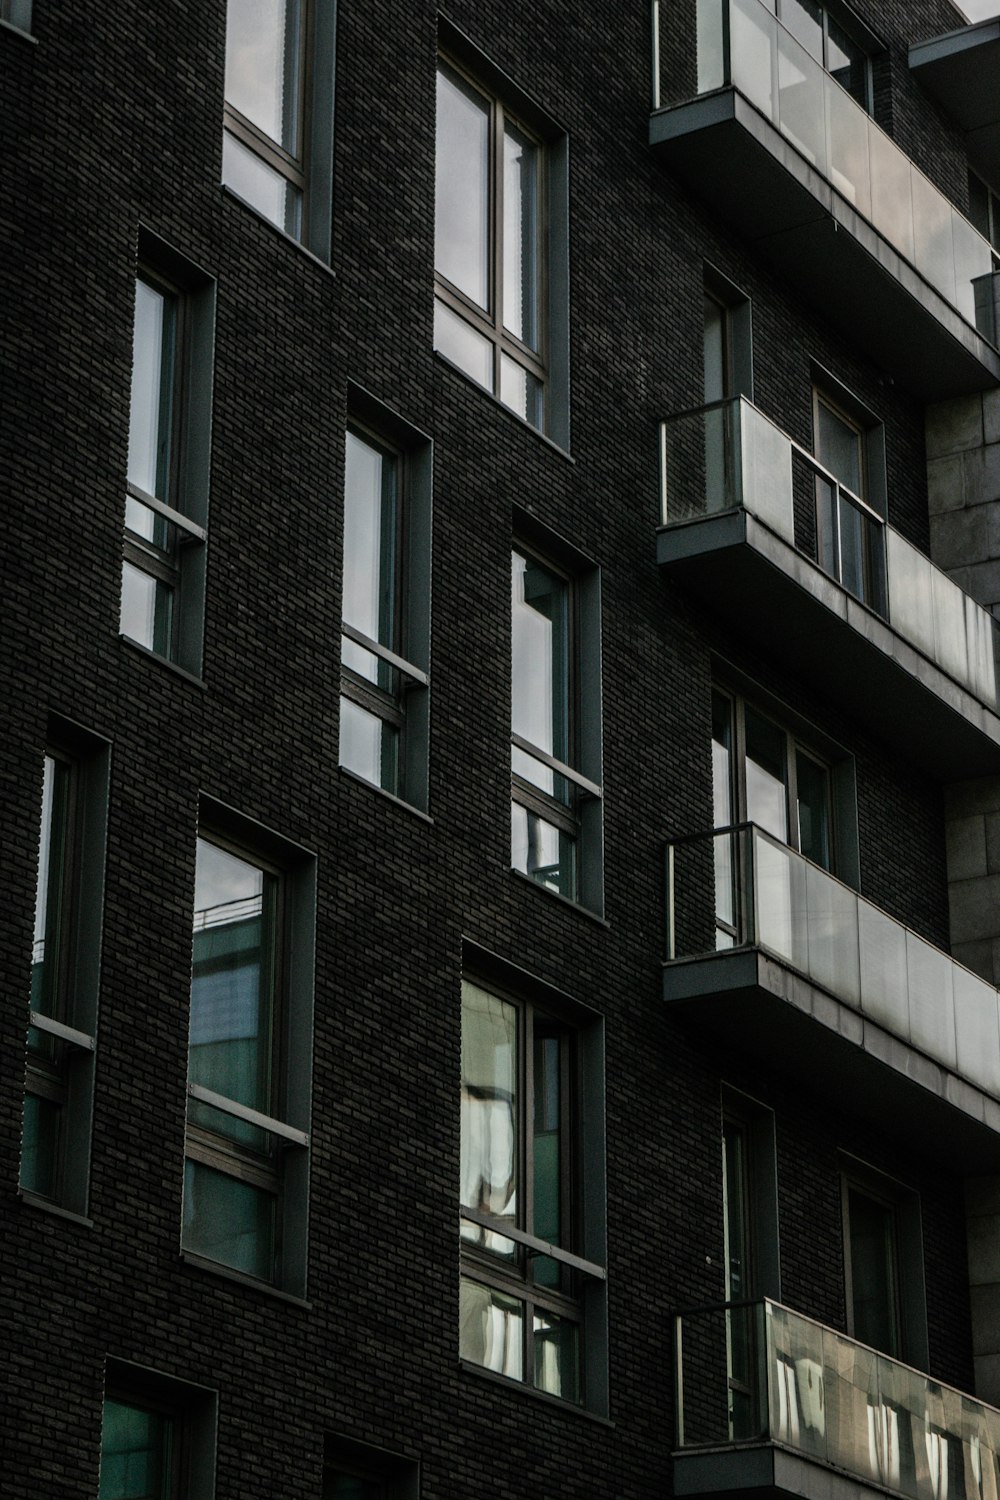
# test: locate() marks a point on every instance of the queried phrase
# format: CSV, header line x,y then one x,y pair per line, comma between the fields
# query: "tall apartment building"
x,y
501,766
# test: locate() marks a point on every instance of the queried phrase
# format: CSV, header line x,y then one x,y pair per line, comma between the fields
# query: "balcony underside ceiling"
x,y
737,162
764,1472
776,596
756,1003
962,72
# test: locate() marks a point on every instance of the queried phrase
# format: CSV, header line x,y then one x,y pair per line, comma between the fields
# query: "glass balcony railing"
x,y
729,456
758,1372
740,888
741,45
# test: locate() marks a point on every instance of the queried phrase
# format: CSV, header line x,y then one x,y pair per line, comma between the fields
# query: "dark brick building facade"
x,y
229,1200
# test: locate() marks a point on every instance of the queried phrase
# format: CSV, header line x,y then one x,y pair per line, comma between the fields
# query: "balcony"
x,y
961,70
776,147
792,966
755,526
769,1401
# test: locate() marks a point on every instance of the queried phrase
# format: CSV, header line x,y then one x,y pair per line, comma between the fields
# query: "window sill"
x,y
502,405
400,802
583,911
162,661
26,36
518,1388
213,1268
289,239
32,1200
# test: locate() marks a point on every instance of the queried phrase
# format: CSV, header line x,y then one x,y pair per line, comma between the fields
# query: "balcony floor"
x,y
778,596
741,165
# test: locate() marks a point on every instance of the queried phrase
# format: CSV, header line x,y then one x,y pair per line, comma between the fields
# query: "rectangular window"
x,y
65,971
249,1059
555,728
825,37
358,1471
277,143
385,627
500,244
532,1263
984,209
166,506
883,1264
157,1438
850,536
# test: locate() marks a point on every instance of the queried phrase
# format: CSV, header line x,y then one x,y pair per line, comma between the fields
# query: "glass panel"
x,y
370,542
832,923
147,610
767,470
766,775
233,979
846,62
931,1006
892,202
872,1233
950,650
976,1034
543,851
752,60
258,184
884,994
711,50
459,342
814,809
780,902
521,391
911,599
340,1486
490,1136
51,916
520,235
462,232
135,1453
557,1355
801,102
229,1221
263,64
848,132
540,645
718,373
932,216
547,1140
369,746
491,1329
839,447
151,408
40,1145
804,19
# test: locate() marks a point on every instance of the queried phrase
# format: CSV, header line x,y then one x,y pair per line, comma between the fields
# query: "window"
x,y
357,1471
166,506
16,13
249,1059
531,1234
65,970
826,39
750,1205
984,209
555,727
157,1438
850,538
728,371
500,245
386,617
278,140
883,1264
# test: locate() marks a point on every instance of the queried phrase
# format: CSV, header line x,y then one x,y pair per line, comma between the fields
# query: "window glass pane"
x,y
370,541
847,62
147,609
765,774
813,789
543,851
462,245
262,66
369,746
40,1145
547,1140
804,19
460,343
229,1221
722,760
150,414
717,381
489,1134
232,986
351,1487
540,645
838,447
50,890
873,1271
979,205
491,1329
261,186
736,1221
135,1453
557,1355
147,523
521,391
520,236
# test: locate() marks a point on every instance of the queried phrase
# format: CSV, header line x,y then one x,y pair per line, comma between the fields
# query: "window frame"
x,y
407,710
582,818
549,363
583,1260
910,1298
282,1169
192,1411
67,1079
310,172
185,508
